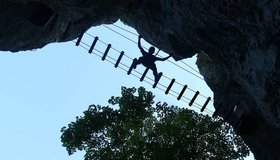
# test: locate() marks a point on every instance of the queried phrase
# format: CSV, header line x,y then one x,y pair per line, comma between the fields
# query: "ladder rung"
x,y
106,52
93,45
170,85
157,79
194,97
119,59
79,39
144,74
182,92
205,104
131,66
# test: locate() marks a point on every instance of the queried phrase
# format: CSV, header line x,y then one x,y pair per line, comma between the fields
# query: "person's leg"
x,y
154,69
136,62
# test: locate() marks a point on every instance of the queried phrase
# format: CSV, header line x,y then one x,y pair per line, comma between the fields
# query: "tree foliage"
x,y
137,130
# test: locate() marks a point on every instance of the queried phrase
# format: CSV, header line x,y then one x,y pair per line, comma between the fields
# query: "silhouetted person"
x,y
148,59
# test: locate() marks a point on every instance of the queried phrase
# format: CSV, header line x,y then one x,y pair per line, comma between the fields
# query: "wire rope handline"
x,y
125,29
184,99
159,55
198,106
106,52
132,59
95,37
137,35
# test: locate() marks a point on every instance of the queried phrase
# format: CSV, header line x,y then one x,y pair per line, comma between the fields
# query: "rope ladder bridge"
x,y
117,62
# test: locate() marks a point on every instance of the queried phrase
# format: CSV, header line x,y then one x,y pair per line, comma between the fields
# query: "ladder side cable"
x,y
137,35
125,30
160,56
139,72
112,62
78,41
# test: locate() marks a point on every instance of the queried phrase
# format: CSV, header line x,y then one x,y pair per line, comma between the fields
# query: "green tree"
x,y
137,130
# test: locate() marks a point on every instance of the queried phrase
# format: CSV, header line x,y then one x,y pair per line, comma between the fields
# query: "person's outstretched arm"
x,y
163,59
139,45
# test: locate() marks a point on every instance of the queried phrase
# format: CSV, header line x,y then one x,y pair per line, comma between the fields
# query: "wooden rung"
x,y
119,59
131,66
79,39
93,45
194,97
182,92
106,52
157,79
170,85
205,104
144,74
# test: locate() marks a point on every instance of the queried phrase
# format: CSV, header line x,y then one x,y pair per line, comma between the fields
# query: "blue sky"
x,y
45,89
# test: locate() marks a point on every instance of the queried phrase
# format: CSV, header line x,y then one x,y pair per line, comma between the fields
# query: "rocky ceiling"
x,y
237,43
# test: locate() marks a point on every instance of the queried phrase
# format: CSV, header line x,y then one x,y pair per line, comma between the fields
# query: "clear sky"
x,y
43,90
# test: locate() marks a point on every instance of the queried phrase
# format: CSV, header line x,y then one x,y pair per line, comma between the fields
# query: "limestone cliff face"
x,y
237,41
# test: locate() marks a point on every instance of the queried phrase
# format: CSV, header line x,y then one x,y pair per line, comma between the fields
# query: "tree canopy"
x,y
134,127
